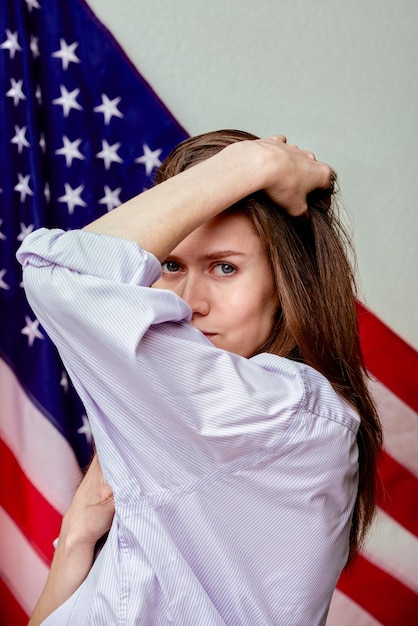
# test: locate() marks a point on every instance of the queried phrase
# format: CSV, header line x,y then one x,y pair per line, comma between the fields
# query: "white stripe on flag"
x,y
23,571
394,549
345,612
42,452
400,426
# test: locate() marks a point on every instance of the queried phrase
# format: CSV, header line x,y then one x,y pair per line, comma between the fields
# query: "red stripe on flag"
x,y
36,518
398,493
388,357
10,610
381,595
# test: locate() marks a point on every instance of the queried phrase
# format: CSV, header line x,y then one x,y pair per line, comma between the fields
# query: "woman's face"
x,y
221,270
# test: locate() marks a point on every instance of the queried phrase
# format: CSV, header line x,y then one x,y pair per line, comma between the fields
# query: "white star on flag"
x,y
32,4
34,47
15,91
85,429
2,235
42,143
64,381
111,198
108,154
20,138
25,231
11,44
47,192
149,159
38,94
3,285
23,187
66,53
31,330
109,108
72,197
68,100
70,150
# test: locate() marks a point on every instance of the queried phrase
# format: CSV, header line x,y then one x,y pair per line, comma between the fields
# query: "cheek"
x,y
271,306
158,284
271,299
266,315
256,317
268,303
163,283
252,306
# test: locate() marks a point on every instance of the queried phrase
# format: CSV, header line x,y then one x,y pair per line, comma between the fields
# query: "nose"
x,y
195,292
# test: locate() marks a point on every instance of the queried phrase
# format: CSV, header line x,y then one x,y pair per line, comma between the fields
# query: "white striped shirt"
x,y
234,479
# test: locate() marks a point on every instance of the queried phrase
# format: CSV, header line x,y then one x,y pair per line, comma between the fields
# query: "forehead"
x,y
226,232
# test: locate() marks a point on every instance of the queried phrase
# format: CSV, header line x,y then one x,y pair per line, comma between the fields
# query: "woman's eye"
x,y
224,269
169,267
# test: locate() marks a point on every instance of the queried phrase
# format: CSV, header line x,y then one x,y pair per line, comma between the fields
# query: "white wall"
x,y
340,78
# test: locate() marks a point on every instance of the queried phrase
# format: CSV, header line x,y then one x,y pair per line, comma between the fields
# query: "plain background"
x,y
338,78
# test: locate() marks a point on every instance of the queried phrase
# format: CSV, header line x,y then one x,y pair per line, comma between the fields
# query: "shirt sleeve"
x,y
153,386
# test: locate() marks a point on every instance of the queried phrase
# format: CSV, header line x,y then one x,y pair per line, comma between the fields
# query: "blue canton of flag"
x,y
80,133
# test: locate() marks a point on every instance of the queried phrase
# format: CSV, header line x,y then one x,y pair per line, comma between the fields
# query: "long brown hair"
x,y
316,322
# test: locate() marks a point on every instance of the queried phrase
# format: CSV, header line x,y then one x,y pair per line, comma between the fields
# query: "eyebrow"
x,y
217,254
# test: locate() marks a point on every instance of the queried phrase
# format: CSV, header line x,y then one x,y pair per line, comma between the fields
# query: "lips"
x,y
208,334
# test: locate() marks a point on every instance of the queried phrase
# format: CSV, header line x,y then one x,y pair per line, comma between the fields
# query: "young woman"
x,y
228,402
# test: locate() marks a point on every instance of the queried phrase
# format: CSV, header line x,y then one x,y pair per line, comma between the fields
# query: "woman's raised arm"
x,y
161,217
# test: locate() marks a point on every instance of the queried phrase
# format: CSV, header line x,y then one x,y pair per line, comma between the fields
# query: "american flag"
x,y
382,587
81,132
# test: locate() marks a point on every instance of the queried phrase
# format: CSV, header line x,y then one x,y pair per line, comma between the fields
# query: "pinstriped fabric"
x,y
234,479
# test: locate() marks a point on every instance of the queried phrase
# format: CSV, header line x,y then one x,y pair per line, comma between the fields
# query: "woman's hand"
x,y
91,511
88,518
291,174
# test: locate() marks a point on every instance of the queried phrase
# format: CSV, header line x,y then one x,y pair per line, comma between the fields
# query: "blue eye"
x,y
169,267
224,269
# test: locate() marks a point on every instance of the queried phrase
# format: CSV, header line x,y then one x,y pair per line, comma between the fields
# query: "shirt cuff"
x,y
103,256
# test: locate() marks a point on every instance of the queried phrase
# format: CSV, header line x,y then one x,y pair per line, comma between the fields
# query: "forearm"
x,y
87,520
161,217
71,564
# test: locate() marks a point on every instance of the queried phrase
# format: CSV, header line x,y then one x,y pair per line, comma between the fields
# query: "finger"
x,y
306,153
328,177
309,154
282,138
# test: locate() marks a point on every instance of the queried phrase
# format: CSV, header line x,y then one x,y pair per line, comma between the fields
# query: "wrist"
x,y
75,534
251,164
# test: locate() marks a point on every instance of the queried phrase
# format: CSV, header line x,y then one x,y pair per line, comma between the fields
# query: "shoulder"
x,y
315,393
